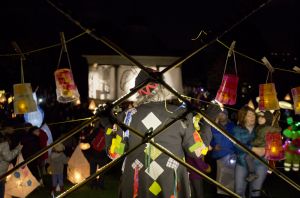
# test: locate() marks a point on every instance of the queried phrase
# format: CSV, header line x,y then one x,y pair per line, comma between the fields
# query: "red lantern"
x,y
296,99
274,148
227,91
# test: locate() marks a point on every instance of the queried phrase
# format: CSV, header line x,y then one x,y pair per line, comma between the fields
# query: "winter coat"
x,y
226,146
57,161
6,155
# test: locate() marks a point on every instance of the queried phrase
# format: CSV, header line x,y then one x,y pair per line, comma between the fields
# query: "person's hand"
x,y
260,151
217,147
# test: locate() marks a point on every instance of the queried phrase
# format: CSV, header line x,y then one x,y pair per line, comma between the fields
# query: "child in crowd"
x,y
57,161
264,120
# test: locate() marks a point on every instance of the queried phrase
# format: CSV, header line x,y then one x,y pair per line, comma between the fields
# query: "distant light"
x,y
40,100
243,96
287,97
202,89
249,86
95,65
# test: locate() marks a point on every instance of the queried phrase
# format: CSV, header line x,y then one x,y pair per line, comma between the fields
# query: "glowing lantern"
x,y
23,99
287,97
227,91
66,90
274,149
84,146
92,105
296,99
267,97
78,167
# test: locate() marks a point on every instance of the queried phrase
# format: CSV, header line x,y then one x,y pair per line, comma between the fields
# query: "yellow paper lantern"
x,y
296,99
268,97
23,99
66,90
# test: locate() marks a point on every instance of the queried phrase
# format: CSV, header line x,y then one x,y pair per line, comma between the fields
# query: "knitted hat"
x,y
268,116
142,77
59,148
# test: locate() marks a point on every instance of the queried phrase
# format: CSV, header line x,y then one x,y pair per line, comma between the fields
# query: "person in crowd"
x,y
223,152
148,172
196,181
6,155
96,154
31,146
244,132
57,160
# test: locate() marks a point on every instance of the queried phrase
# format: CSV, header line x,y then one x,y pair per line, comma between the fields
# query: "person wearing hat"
x,y
223,151
148,172
57,160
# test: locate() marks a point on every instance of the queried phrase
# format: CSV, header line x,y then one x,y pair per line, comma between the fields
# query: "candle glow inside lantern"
x,y
228,89
23,99
66,89
296,99
268,97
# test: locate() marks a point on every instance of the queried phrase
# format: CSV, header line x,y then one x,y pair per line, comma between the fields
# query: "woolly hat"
x,y
142,77
59,148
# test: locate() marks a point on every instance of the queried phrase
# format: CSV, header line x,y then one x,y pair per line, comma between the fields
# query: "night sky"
x,y
162,28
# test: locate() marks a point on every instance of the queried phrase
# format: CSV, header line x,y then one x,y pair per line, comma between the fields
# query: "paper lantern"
x,y
66,90
23,99
268,97
274,148
78,167
296,99
21,182
228,89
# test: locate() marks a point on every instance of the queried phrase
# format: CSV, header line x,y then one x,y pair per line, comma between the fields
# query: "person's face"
x,y
222,117
261,120
250,118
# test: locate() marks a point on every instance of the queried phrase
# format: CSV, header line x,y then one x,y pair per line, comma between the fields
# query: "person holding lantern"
x,y
245,133
147,171
6,155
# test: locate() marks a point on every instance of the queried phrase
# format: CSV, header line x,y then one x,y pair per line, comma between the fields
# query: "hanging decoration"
x,y
35,118
23,99
296,99
78,167
267,92
66,89
292,145
21,182
228,89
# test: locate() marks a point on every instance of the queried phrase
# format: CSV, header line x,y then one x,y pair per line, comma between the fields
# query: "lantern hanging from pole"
x,y
274,148
228,89
296,99
268,97
23,99
66,90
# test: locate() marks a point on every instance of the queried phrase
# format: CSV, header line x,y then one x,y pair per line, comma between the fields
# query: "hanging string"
x,y
254,60
63,49
234,60
22,71
47,47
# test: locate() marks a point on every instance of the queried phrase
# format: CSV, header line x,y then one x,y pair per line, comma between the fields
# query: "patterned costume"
x,y
147,171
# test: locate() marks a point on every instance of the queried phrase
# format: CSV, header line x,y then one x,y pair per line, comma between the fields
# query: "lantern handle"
x,y
63,49
22,58
231,52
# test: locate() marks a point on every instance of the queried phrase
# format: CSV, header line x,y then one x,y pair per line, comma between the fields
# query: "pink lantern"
x,y
274,148
268,97
296,99
228,89
66,89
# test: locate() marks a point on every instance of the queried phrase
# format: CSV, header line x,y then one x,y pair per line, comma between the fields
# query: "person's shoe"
x,y
251,177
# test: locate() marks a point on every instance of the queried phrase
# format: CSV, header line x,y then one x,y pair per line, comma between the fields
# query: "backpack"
x,y
98,143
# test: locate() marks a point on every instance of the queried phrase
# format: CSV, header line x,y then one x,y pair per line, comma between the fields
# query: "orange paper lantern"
x,y
227,91
66,90
23,99
268,97
296,99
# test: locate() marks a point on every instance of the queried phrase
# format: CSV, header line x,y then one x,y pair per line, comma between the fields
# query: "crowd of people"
x,y
147,171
